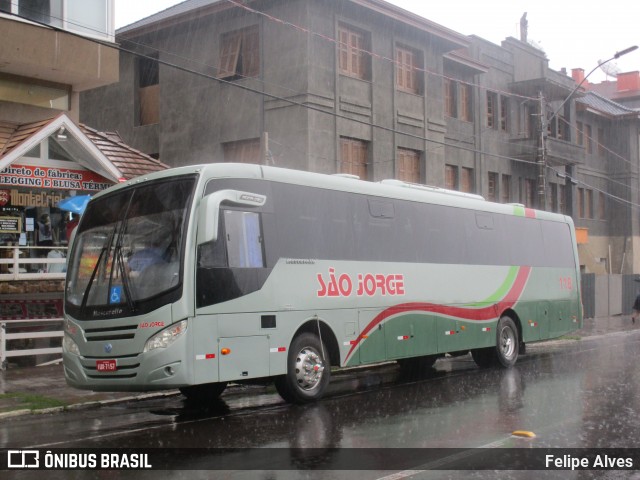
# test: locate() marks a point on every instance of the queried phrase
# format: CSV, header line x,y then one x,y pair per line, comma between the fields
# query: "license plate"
x,y
106,365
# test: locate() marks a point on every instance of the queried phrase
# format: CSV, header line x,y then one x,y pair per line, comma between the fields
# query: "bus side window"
x,y
212,255
243,235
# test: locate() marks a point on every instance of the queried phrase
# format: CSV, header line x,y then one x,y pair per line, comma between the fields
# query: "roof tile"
x,y
129,161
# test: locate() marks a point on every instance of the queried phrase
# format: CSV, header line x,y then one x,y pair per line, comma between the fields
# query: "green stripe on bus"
x,y
518,211
502,290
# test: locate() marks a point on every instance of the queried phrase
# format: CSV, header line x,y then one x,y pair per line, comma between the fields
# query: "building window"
x,y
353,157
353,52
562,128
504,113
450,98
492,187
466,103
588,204
40,11
506,188
525,118
148,91
588,138
408,67
580,136
240,54
601,147
529,192
242,151
466,180
602,213
580,202
88,17
492,105
553,197
451,177
562,192
408,165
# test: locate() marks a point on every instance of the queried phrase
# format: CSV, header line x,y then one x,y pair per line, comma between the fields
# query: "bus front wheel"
x,y
308,370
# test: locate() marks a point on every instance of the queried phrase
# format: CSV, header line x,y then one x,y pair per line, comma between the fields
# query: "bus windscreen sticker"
x,y
115,296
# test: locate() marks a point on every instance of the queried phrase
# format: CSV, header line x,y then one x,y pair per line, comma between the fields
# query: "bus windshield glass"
x,y
127,252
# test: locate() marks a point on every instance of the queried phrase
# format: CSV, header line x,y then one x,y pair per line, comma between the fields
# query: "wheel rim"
x,y
309,368
507,342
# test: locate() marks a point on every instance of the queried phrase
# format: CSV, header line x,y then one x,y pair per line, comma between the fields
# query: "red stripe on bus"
x,y
465,313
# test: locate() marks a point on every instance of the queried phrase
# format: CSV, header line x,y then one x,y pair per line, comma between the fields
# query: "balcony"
x,y
36,52
561,152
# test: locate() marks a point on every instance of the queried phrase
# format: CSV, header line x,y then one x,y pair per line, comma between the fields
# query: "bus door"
x,y
242,353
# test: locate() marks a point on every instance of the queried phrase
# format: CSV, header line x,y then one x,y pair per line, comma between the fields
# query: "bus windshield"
x,y
127,253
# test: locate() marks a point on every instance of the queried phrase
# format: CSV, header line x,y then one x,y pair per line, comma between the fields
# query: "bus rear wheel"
x,y
505,353
204,393
308,370
507,342
484,357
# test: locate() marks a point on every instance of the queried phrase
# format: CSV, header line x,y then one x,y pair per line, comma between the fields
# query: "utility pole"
x,y
264,150
542,155
542,151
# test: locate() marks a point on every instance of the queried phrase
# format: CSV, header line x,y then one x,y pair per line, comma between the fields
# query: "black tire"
x,y
417,366
308,370
507,342
505,353
204,393
484,357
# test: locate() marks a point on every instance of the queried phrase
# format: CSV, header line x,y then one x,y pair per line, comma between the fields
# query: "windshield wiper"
x,y
119,259
125,278
85,296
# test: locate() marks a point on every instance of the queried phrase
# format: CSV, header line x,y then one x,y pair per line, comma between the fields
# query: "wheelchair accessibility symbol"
x,y
116,295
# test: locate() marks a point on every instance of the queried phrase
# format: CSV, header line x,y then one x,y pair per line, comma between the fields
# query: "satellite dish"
x,y
610,69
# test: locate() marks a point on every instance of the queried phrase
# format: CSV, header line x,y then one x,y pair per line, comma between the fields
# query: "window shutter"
x,y
229,54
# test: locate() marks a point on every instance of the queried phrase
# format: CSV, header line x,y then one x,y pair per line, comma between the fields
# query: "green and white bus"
x,y
199,276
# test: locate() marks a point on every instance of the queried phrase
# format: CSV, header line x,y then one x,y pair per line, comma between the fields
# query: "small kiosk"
x,y
42,164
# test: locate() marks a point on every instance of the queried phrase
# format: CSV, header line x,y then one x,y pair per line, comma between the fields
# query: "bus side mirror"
x,y
210,210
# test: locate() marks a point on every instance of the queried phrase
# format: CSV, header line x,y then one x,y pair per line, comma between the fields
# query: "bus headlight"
x,y
69,346
166,337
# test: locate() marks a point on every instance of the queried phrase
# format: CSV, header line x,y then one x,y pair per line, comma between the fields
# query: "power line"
x,y
597,143
372,54
301,104
286,100
575,181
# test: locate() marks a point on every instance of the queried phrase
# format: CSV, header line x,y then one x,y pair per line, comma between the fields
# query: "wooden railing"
x,y
23,330
32,263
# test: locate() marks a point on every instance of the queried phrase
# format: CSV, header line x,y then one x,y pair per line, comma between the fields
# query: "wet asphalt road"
x,y
571,394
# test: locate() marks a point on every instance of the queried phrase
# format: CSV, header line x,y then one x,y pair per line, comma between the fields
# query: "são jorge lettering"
x,y
366,284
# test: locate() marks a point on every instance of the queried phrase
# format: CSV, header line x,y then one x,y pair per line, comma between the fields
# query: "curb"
x,y
87,405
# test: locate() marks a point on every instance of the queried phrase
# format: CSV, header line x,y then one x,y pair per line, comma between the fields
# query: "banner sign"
x,y
10,224
401,460
53,178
